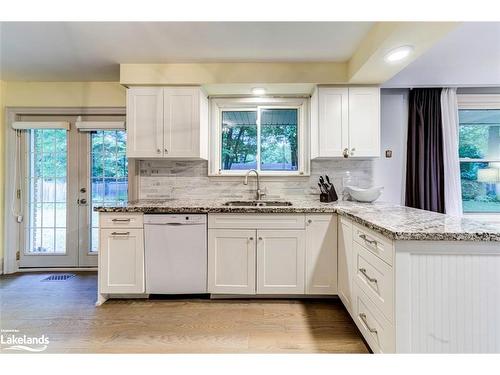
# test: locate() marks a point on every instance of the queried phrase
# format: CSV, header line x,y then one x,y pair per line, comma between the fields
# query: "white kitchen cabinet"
x,y
121,260
280,261
345,122
345,262
364,122
145,122
231,261
332,131
167,122
321,254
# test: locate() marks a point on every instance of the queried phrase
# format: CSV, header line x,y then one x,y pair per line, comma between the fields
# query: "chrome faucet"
x,y
259,194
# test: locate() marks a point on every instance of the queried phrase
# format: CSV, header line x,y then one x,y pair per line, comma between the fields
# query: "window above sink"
x,y
265,134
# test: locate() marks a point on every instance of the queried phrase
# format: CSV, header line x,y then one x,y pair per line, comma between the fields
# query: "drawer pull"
x,y
369,240
362,316
121,220
370,279
120,233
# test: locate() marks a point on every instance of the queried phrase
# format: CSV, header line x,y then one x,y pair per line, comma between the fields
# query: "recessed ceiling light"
x,y
398,54
258,91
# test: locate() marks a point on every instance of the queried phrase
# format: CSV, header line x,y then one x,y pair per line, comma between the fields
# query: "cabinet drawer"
x,y
376,243
375,278
376,330
121,220
256,221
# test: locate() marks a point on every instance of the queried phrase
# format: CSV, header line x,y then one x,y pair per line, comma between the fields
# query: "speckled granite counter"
x,y
395,222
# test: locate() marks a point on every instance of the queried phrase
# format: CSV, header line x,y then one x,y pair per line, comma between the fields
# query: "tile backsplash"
x,y
162,179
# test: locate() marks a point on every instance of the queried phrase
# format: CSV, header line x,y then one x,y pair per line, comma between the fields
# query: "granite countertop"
x,y
395,222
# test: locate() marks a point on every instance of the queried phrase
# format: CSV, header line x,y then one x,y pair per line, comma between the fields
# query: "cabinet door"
x,y
280,261
333,121
144,122
364,122
345,262
121,261
181,122
321,254
231,261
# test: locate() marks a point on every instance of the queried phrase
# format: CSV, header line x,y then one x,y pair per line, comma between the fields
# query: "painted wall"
x,y
51,94
63,94
390,172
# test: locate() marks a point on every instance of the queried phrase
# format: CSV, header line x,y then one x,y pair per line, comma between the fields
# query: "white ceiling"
x,y
84,51
468,56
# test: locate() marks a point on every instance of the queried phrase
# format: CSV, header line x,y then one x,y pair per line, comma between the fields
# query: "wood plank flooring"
x,y
65,312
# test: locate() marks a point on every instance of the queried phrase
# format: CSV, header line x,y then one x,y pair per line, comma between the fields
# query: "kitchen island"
x,y
412,280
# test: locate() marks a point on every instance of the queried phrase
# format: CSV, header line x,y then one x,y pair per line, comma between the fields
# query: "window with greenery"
x,y
109,168
46,179
479,152
265,139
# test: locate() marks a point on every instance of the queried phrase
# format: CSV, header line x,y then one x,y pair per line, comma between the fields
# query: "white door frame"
x,y
12,228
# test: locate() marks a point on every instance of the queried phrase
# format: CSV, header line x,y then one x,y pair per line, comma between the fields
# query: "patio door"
x,y
65,173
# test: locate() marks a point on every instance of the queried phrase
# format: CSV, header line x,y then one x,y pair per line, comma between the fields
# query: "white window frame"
x,y
218,105
479,101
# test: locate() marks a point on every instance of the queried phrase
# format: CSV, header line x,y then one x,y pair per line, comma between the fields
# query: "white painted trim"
x,y
89,126
217,105
62,269
11,227
478,101
24,125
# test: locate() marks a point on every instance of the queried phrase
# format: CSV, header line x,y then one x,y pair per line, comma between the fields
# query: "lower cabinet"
x,y
276,255
321,254
121,260
231,261
280,261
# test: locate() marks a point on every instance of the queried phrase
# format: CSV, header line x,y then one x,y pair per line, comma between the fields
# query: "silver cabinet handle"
x,y
250,238
260,238
166,151
121,220
346,153
158,151
370,279
362,316
369,240
309,221
120,233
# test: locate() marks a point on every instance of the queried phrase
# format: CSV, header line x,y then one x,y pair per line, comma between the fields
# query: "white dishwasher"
x,y
176,254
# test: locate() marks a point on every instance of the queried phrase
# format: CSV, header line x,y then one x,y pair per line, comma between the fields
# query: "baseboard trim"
x,y
67,269
273,296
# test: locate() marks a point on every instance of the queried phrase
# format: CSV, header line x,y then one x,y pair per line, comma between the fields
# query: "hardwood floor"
x,y
65,312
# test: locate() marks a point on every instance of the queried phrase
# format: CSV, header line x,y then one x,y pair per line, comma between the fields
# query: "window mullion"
x,y
258,139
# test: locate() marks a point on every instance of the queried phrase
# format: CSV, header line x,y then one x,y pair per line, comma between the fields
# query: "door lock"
x,y
83,190
82,201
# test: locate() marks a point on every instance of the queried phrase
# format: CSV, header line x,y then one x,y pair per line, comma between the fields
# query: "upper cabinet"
x,y
345,122
167,122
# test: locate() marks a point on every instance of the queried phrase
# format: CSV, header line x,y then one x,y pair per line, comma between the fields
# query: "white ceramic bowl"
x,y
364,195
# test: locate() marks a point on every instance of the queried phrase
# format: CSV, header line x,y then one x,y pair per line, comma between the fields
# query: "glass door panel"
x,y
47,240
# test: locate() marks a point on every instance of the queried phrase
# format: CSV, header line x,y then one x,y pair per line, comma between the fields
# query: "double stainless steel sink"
x,y
258,203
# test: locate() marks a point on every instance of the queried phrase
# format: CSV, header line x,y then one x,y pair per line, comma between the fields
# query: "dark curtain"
x,y
424,159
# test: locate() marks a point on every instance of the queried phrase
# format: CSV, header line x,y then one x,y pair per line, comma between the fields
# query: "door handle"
x,y
82,201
